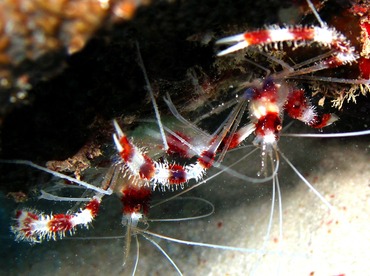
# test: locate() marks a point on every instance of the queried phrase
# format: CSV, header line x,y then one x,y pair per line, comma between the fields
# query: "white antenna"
x,y
313,9
155,106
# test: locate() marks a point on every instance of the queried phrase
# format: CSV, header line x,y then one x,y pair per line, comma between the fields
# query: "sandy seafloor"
x,y
315,240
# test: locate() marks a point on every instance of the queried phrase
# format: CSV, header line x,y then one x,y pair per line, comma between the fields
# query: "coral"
x,y
36,36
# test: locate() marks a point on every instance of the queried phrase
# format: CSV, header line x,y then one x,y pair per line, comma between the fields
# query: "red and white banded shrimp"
x,y
322,226
234,214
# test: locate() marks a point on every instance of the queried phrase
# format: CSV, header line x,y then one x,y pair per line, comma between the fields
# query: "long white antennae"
x,y
137,255
210,212
314,11
60,175
308,184
155,106
162,251
224,247
48,196
328,135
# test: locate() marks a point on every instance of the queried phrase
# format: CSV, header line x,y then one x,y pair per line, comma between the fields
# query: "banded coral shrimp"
x,y
317,238
34,226
230,207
